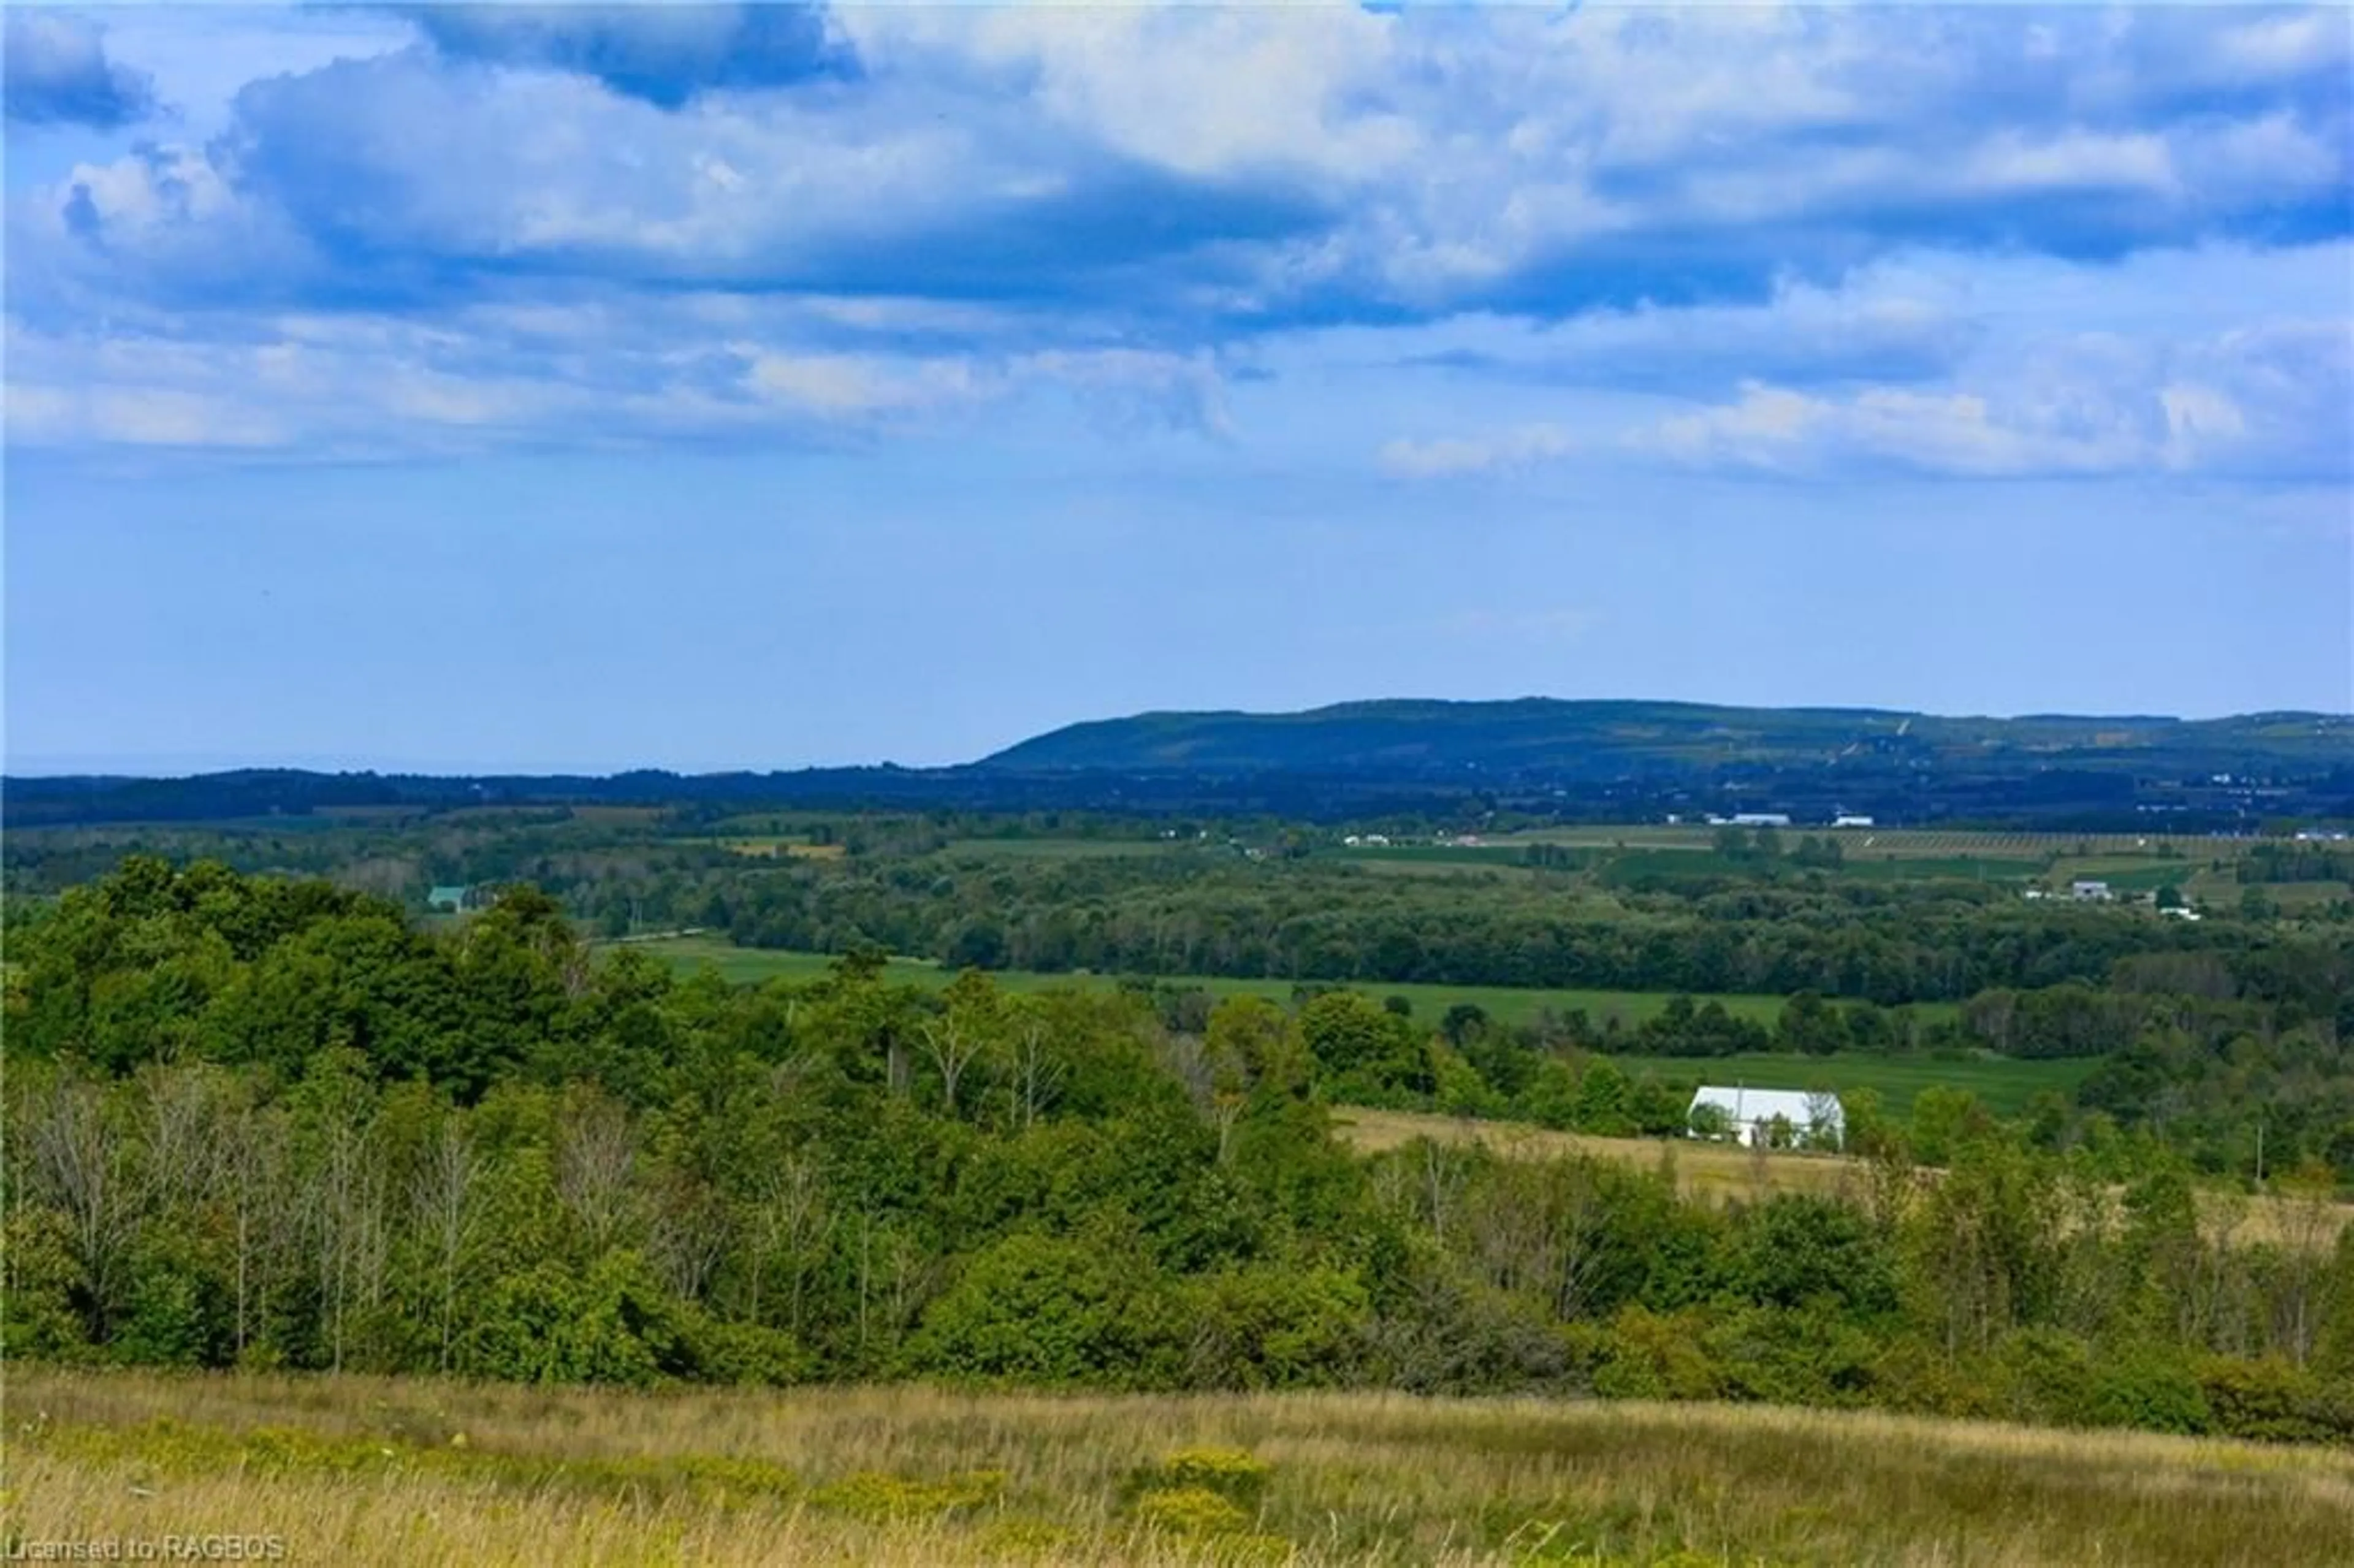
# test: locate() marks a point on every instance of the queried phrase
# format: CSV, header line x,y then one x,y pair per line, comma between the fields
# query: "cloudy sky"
x,y
703,386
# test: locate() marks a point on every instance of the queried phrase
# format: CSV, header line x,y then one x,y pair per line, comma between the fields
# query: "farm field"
x,y
1072,849
375,1472
1714,1170
1720,1173
2130,862
2004,1085
1934,843
1508,1005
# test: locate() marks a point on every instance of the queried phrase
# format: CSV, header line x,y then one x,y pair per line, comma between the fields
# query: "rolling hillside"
x,y
1599,740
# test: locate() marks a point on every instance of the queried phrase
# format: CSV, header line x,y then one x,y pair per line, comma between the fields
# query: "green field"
x,y
1508,1005
2005,1085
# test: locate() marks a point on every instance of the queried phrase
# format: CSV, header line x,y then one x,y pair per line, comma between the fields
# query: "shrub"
x,y
1190,1511
1233,1474
2047,1375
1275,1328
617,1325
37,1268
1039,1310
1645,1355
2271,1401
2148,1390
873,1495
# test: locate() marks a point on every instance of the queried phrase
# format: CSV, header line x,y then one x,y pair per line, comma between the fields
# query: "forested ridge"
x,y
266,1122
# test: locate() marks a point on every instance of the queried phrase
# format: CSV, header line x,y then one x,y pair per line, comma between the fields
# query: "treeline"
x,y
2298,861
253,1123
150,963
1179,913
346,1144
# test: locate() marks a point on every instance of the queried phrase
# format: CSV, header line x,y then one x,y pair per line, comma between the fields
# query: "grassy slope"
x,y
1713,1170
369,1472
1721,1171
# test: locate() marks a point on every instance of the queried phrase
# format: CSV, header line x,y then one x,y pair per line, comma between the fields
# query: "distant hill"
x,y
1590,740
1591,761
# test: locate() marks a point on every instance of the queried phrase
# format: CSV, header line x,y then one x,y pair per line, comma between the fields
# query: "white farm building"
x,y
1767,1116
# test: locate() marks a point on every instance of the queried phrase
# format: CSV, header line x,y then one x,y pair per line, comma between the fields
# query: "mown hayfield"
x,y
1510,1004
375,1472
1719,1171
1713,1170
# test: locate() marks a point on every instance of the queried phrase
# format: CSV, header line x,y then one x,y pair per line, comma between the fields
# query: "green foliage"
x,y
1645,1355
1190,1511
616,1325
2272,1400
1032,1308
264,1123
2149,1388
886,1498
41,1320
1272,1326
1234,1474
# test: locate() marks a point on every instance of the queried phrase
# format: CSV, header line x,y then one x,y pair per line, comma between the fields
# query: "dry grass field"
x,y
1720,1171
373,1473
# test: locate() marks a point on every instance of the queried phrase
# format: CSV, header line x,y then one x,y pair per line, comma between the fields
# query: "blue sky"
x,y
708,387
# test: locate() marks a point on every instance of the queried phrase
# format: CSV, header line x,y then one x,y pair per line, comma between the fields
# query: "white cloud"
x,y
1448,456
1120,205
2272,400
382,386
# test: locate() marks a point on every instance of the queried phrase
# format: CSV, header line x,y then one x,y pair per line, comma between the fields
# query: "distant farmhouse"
x,y
1850,820
449,900
1787,1119
2090,892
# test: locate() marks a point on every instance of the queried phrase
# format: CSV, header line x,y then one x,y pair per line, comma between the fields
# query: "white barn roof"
x,y
1794,1105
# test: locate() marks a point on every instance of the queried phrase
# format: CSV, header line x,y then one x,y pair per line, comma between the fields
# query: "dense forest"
x,y
2217,1033
258,1121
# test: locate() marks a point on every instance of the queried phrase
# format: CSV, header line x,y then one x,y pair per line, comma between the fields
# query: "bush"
x,y
1190,1511
1272,1327
1807,1356
883,1498
1645,1355
748,1353
1038,1309
1233,1474
2047,1376
2273,1402
617,1325
2150,1391
41,1278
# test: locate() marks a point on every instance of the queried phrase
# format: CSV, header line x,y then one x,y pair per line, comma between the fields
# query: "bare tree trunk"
x,y
789,1216
255,1181
444,1200
951,1048
1036,1077
596,1156
82,1169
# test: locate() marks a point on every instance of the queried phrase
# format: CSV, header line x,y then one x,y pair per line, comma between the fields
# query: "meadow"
x,y
1507,1004
375,1472
1719,1172
2004,1083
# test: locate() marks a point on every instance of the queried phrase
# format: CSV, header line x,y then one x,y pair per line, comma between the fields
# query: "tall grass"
x,y
1719,1171
368,1471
